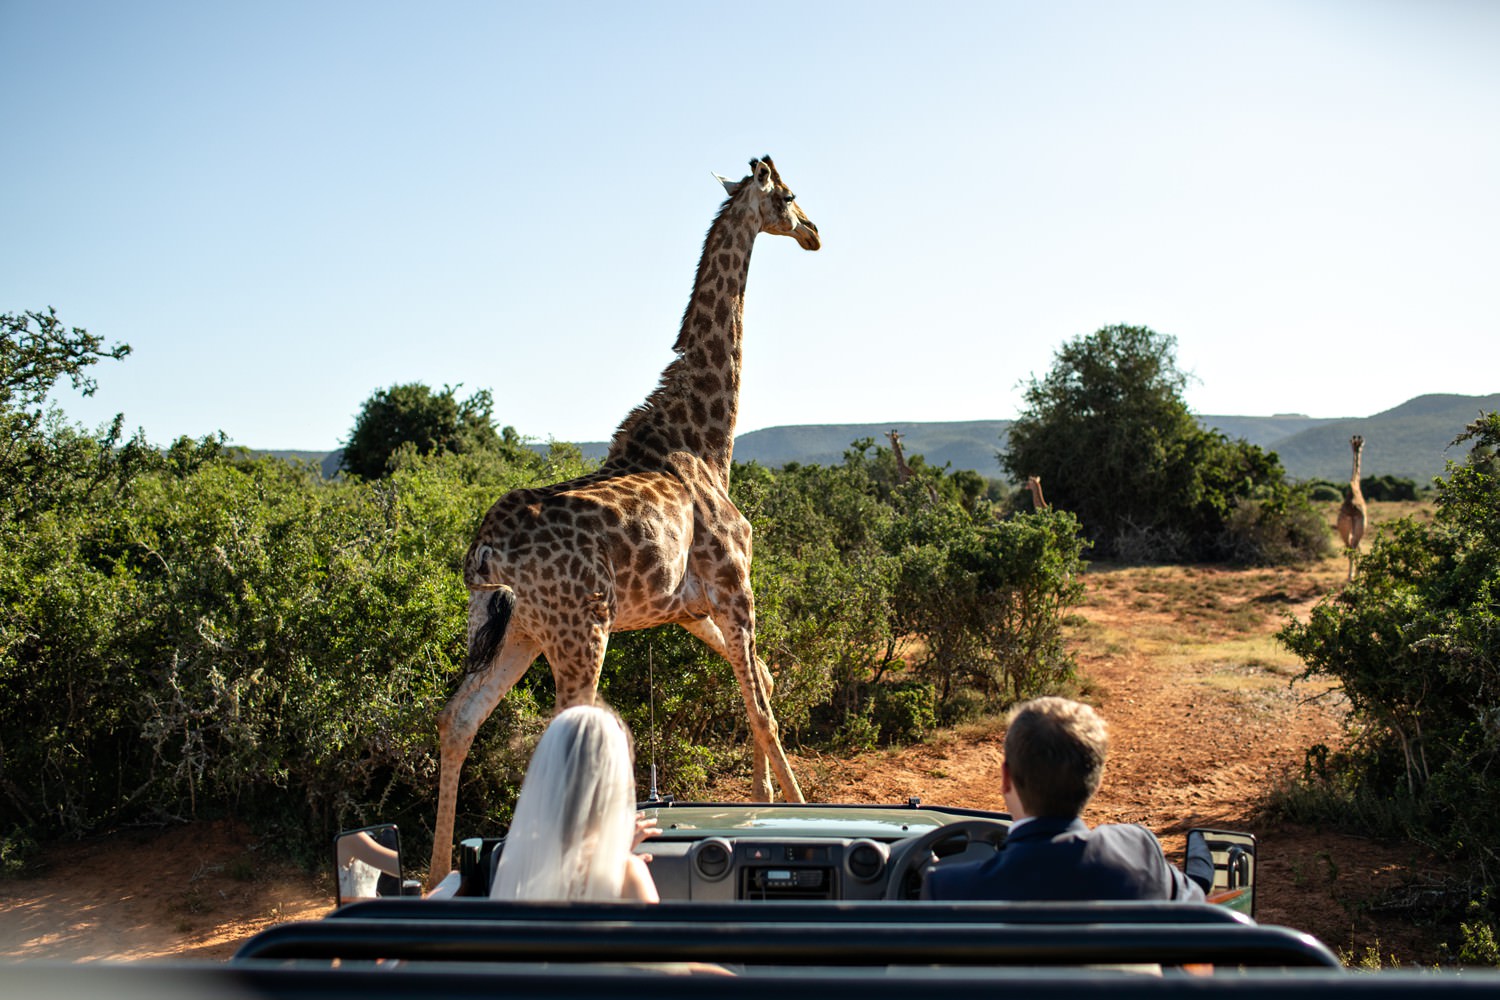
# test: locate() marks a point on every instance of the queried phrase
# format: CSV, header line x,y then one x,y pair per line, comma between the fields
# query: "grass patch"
x,y
982,726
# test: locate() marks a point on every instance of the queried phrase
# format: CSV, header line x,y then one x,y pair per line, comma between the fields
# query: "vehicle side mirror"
x,y
367,863
1232,855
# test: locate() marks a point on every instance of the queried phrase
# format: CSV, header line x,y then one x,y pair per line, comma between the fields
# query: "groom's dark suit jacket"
x,y
1062,859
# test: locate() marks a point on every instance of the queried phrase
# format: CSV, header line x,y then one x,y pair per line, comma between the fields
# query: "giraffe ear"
x,y
729,185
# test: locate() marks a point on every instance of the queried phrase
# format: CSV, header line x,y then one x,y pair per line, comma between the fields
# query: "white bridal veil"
x,y
575,819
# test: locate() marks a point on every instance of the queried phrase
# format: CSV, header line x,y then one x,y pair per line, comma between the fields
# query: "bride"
x,y
575,826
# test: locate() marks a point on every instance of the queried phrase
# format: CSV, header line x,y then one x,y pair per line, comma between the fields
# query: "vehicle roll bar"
x,y
786,943
803,911
271,981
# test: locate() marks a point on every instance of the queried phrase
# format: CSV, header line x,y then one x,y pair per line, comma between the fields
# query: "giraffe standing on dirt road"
x,y
1351,519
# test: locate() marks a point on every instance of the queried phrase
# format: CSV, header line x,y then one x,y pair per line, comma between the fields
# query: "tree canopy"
x,y
36,350
412,416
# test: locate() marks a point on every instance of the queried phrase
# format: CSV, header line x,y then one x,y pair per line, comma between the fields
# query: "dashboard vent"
x,y
712,859
865,860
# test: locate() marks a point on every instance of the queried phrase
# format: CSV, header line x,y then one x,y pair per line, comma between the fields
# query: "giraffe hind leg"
x,y
476,697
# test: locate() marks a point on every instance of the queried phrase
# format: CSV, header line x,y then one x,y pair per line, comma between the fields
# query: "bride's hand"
x,y
644,827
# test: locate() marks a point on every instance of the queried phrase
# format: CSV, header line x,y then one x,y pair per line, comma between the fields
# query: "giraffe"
x,y
904,470
1034,484
649,538
1351,522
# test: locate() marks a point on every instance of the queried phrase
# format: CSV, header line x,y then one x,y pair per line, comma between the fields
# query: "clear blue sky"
x,y
283,206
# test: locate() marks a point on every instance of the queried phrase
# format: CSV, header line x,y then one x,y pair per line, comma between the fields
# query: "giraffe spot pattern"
x,y
708,383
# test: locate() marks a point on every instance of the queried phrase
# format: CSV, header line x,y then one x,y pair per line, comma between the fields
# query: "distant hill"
x,y
970,444
1263,431
328,462
1408,441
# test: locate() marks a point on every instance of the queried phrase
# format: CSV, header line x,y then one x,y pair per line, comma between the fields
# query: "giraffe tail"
x,y
488,625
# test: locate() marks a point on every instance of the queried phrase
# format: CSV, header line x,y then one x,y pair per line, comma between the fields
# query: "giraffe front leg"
x,y
756,684
760,765
770,758
763,774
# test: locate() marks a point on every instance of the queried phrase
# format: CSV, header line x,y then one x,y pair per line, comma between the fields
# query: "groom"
x,y
1054,762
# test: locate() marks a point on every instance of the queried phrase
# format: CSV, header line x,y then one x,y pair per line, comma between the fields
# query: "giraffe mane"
x,y
669,374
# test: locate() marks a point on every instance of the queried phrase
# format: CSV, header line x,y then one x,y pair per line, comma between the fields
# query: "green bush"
x,y
987,599
1322,491
904,711
1275,532
1387,488
1478,945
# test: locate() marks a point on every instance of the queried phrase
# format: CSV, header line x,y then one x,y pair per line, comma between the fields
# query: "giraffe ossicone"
x,y
649,538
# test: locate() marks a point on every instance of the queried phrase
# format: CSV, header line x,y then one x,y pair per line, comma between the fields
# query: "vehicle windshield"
x,y
828,821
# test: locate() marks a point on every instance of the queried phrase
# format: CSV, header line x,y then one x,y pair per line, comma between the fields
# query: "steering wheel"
x,y
909,859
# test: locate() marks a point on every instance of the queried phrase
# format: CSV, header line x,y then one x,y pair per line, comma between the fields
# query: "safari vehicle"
x,y
811,901
804,902
763,852
804,883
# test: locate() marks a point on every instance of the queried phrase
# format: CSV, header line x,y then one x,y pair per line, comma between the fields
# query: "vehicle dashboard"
x,y
776,852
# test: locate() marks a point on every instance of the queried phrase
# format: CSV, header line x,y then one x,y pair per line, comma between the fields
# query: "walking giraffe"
x,y
1351,519
650,538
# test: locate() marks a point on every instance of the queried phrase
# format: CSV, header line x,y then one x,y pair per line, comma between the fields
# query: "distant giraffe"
x,y
1351,522
1034,484
904,470
650,538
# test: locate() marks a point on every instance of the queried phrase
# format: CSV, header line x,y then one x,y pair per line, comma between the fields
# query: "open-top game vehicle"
x,y
808,901
803,883
781,852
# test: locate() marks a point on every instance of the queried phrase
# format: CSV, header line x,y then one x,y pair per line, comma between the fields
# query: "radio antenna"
x,y
651,701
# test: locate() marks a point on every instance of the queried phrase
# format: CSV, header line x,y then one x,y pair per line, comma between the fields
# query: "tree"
x,y
41,458
426,421
1108,431
32,359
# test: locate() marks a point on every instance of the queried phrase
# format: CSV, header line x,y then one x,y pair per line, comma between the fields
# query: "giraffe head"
x,y
762,192
1357,443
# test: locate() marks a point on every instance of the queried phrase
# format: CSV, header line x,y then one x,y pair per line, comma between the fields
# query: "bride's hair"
x,y
575,820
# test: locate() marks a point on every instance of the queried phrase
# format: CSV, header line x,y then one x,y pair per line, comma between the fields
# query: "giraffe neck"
x,y
1354,476
902,469
695,405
